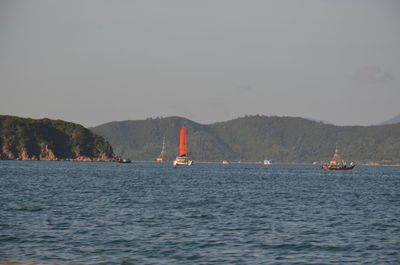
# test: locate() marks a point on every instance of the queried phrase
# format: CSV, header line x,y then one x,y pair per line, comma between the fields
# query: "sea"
x,y
148,213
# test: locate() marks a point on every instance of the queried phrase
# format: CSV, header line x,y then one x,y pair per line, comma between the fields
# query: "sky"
x,y
97,61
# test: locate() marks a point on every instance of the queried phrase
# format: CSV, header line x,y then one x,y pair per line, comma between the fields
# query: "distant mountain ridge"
x,y
45,139
393,120
255,138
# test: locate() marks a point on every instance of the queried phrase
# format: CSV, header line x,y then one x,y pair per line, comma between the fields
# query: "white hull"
x,y
182,161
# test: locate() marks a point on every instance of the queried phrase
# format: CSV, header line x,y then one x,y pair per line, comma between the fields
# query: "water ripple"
x,y
103,213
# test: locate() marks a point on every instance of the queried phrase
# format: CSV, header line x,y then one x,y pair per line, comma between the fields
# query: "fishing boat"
x,y
182,159
267,162
225,162
163,155
337,163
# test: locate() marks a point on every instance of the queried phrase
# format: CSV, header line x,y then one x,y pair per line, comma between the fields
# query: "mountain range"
x,y
255,138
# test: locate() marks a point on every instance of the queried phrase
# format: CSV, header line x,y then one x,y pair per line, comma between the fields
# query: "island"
x,y
46,139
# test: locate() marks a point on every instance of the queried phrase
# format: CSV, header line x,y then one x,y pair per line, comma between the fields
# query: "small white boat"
x,y
182,161
124,161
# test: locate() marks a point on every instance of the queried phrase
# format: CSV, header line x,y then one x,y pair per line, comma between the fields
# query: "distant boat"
x,y
337,163
225,162
267,162
163,155
124,161
182,159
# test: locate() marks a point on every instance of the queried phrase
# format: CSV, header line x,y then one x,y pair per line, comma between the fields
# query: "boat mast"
x,y
336,157
163,153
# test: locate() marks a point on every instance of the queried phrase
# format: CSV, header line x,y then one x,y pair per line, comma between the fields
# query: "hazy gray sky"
x,y
98,61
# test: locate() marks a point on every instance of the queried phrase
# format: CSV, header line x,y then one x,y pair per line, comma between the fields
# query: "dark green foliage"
x,y
255,138
64,139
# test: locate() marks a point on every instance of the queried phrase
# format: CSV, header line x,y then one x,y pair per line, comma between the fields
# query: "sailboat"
x,y
182,159
337,163
163,155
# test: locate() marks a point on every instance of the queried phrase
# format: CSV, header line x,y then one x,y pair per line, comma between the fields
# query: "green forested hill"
x,y
255,138
45,139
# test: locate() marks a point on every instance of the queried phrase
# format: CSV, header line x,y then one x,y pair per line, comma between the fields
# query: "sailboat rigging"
x,y
163,155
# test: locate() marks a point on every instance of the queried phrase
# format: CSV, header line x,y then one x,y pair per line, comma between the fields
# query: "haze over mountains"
x,y
255,138
393,120
209,61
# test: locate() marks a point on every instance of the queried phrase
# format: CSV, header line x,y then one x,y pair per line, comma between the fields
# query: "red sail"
x,y
182,143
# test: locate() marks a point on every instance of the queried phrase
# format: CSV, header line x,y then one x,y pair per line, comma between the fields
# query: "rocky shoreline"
x,y
53,158
78,159
47,154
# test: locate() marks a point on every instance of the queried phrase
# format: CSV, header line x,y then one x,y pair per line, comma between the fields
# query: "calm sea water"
x,y
147,213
